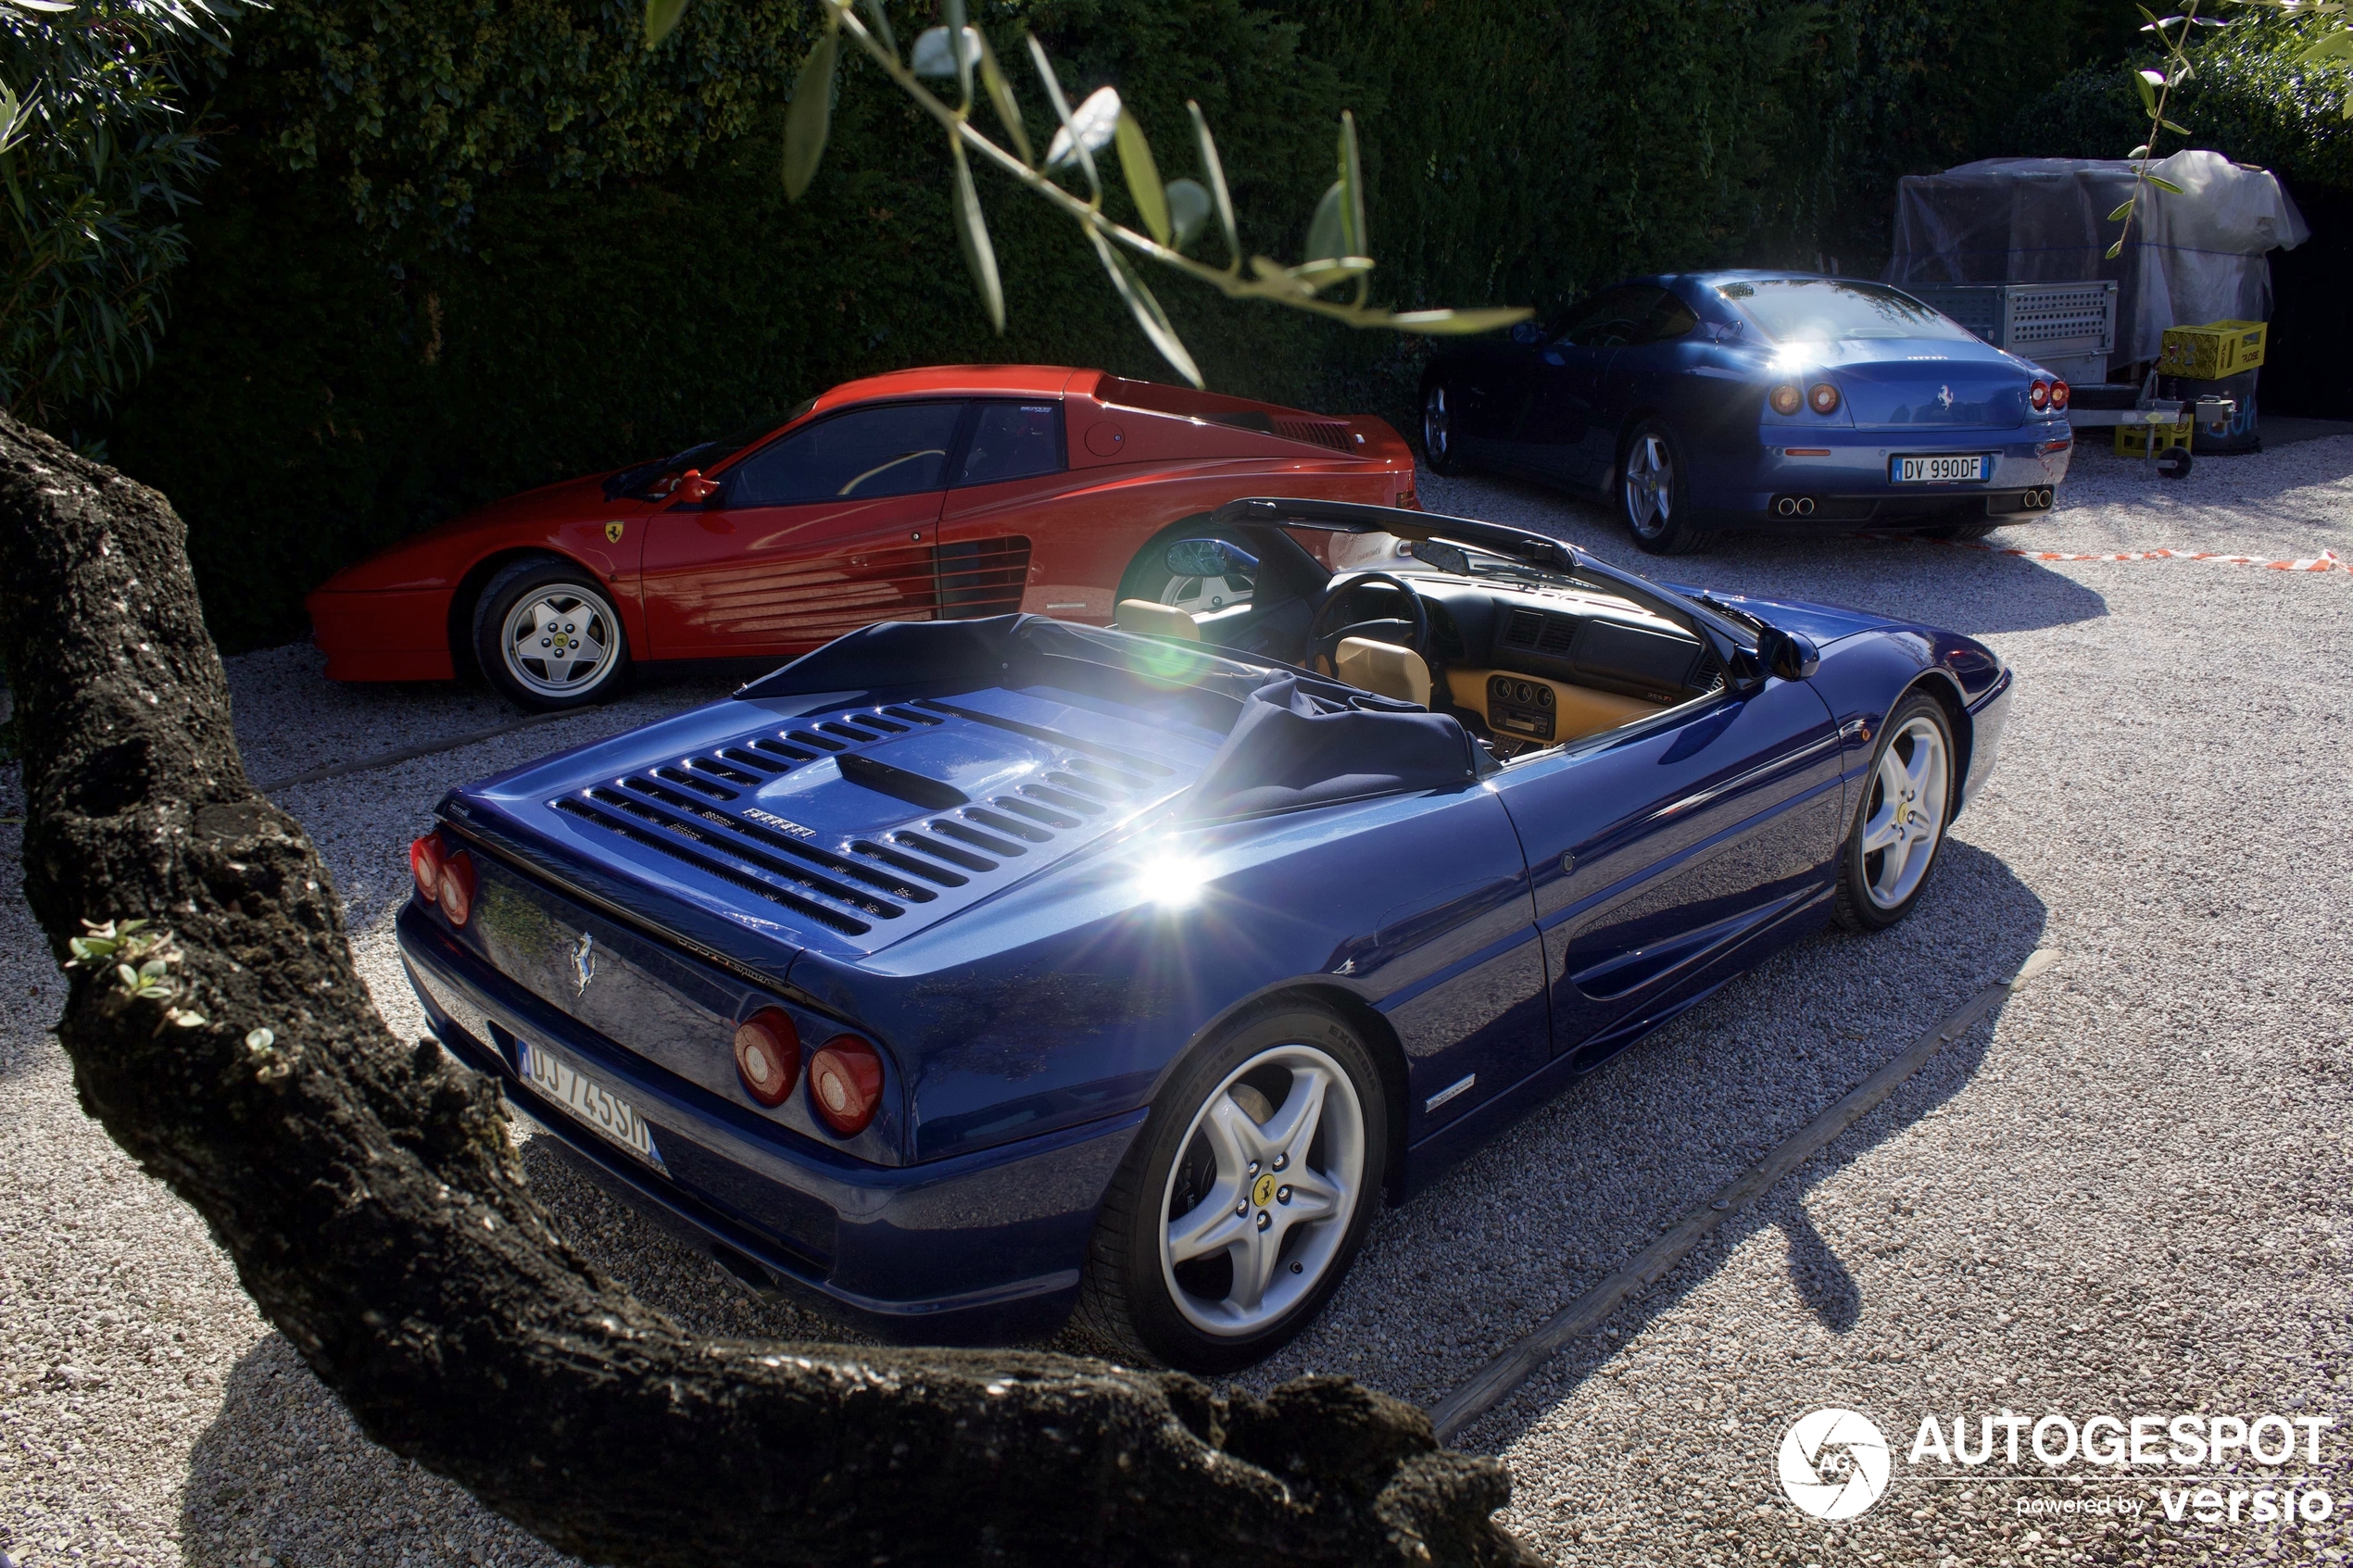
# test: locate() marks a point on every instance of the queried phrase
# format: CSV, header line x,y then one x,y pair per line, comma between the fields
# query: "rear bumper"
x,y
980,1249
1844,474
397,634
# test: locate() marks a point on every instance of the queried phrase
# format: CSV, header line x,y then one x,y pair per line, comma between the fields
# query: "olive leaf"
x,y
880,16
662,17
1143,176
1215,171
811,111
972,238
1328,230
1187,210
1087,130
1146,309
1458,323
2116,250
932,57
1351,183
2166,185
1065,137
2120,211
964,49
1001,97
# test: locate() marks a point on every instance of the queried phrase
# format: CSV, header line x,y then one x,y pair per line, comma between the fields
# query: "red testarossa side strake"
x,y
942,493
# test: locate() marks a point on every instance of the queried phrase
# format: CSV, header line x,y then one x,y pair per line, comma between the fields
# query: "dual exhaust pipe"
x,y
2036,500
1795,506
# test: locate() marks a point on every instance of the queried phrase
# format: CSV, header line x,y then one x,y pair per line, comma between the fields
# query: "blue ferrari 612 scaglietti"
x,y
1715,399
959,975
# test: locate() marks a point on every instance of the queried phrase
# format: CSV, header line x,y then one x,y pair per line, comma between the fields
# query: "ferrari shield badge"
x,y
613,531
584,958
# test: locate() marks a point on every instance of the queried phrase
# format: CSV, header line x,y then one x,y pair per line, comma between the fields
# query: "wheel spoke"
x,y
1294,1129
1892,866
1211,1227
1880,830
1922,767
1253,1269
1893,780
1313,1197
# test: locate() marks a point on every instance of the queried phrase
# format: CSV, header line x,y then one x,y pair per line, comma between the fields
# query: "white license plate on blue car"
x,y
1937,470
590,1103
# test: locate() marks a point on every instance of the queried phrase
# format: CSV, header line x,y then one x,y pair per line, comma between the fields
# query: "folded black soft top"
x,y
1292,738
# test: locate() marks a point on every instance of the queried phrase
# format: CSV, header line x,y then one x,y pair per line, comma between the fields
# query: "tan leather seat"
x,y
1146,619
1384,667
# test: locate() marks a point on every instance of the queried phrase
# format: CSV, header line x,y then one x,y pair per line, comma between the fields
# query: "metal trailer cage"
x,y
2067,329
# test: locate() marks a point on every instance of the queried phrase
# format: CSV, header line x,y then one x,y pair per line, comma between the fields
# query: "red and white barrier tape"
x,y
2325,561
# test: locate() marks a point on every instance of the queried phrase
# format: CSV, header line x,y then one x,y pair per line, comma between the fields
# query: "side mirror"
x,y
1528,334
1209,558
1789,655
693,486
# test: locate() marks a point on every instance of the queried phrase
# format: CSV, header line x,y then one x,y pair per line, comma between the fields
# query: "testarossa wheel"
x,y
547,637
1438,428
1899,827
1245,1197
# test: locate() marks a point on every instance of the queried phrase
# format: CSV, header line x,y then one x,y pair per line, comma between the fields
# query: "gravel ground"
x,y
2125,1195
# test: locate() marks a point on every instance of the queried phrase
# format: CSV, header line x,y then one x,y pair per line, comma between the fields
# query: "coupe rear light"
x,y
424,864
2059,393
1823,399
1786,399
457,892
2039,394
768,1055
845,1084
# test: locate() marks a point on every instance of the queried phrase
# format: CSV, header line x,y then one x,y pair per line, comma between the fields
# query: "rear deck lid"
x,y
844,825
1928,385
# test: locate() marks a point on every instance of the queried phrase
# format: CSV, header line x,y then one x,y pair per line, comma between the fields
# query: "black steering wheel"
x,y
1324,638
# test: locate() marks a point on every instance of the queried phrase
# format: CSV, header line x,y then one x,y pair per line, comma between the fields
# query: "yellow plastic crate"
x,y
2213,351
2132,441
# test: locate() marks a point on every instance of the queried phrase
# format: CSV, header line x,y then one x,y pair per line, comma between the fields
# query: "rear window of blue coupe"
x,y
1834,310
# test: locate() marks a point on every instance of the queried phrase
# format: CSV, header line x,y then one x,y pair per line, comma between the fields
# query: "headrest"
x,y
1384,667
1146,619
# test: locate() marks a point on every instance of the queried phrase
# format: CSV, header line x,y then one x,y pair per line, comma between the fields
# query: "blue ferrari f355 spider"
x,y
1714,399
959,975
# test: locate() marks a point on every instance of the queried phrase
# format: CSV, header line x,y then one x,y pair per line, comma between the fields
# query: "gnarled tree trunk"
x,y
373,1204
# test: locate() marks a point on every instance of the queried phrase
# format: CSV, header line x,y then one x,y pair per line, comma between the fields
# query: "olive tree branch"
x,y
1175,211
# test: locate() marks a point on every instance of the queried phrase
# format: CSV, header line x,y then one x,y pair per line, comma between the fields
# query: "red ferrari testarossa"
x,y
944,493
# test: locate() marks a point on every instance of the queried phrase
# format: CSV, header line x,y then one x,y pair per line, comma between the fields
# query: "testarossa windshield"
x,y
1835,311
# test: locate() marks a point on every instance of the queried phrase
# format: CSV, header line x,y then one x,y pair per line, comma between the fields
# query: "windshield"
x,y
640,479
1835,311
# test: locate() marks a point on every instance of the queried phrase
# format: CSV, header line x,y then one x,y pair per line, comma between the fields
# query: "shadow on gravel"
x,y
1633,1147
1976,591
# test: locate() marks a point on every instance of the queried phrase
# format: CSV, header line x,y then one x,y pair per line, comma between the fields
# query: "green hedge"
x,y
2249,100
459,250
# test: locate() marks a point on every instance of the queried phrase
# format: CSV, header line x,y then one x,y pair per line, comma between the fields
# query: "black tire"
x,y
1438,444
1653,496
562,677
1129,1296
1147,576
1861,903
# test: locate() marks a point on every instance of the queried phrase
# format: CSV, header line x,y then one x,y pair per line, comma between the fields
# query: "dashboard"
x,y
1541,665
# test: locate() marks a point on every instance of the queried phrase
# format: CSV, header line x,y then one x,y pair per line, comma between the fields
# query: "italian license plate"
x,y
1937,470
590,1102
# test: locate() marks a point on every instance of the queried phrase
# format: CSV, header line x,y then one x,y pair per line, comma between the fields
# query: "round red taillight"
x,y
457,892
1823,399
2059,393
845,1084
1787,399
767,1055
424,864
2039,394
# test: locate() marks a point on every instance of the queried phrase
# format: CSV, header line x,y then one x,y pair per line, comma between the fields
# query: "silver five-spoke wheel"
x,y
1905,816
1649,485
1257,1208
558,641
546,635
